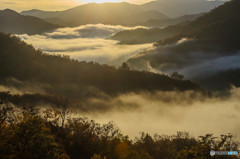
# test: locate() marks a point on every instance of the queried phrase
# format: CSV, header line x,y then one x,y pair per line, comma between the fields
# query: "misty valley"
x,y
120,80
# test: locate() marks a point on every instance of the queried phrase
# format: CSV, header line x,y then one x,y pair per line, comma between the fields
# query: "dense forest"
x,y
33,134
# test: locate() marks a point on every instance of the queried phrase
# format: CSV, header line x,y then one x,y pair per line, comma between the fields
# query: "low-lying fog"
x,y
163,112
169,112
187,57
86,43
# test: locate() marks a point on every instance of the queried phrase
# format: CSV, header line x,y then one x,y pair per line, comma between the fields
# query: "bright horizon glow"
x,y
101,1
55,5
115,1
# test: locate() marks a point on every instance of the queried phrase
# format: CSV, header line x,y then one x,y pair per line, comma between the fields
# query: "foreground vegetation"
x,y
52,133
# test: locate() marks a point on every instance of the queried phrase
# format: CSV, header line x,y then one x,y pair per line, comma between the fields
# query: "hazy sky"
x,y
20,5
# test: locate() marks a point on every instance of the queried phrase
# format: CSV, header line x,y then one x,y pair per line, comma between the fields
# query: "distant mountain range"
x,y
177,8
13,22
153,14
173,21
139,36
105,13
220,23
41,14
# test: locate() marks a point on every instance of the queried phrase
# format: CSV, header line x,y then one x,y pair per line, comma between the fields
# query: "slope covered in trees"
x,y
22,62
217,27
220,27
13,22
201,48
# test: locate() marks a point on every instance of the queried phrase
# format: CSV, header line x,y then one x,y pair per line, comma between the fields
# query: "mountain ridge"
x,y
201,48
13,22
93,13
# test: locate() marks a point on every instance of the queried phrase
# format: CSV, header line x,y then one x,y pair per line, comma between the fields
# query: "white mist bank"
x,y
86,43
160,112
167,113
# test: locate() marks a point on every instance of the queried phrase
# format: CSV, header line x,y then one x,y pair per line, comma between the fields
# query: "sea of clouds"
x,y
169,112
160,112
186,57
86,43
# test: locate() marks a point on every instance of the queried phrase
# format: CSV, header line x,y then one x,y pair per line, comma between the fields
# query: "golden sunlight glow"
x,y
20,5
101,1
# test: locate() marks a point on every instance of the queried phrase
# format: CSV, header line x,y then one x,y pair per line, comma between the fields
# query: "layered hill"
x,y
13,22
219,23
201,48
172,21
139,36
41,14
105,13
176,8
220,26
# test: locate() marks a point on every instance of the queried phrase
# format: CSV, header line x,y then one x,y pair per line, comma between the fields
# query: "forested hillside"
x,y
219,27
22,62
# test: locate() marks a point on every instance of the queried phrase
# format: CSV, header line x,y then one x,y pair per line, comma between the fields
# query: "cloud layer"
x,y
194,59
155,112
169,112
86,43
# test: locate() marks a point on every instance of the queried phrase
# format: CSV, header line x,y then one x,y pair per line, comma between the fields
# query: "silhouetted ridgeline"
x,y
167,22
105,13
22,62
139,36
125,13
219,27
13,22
